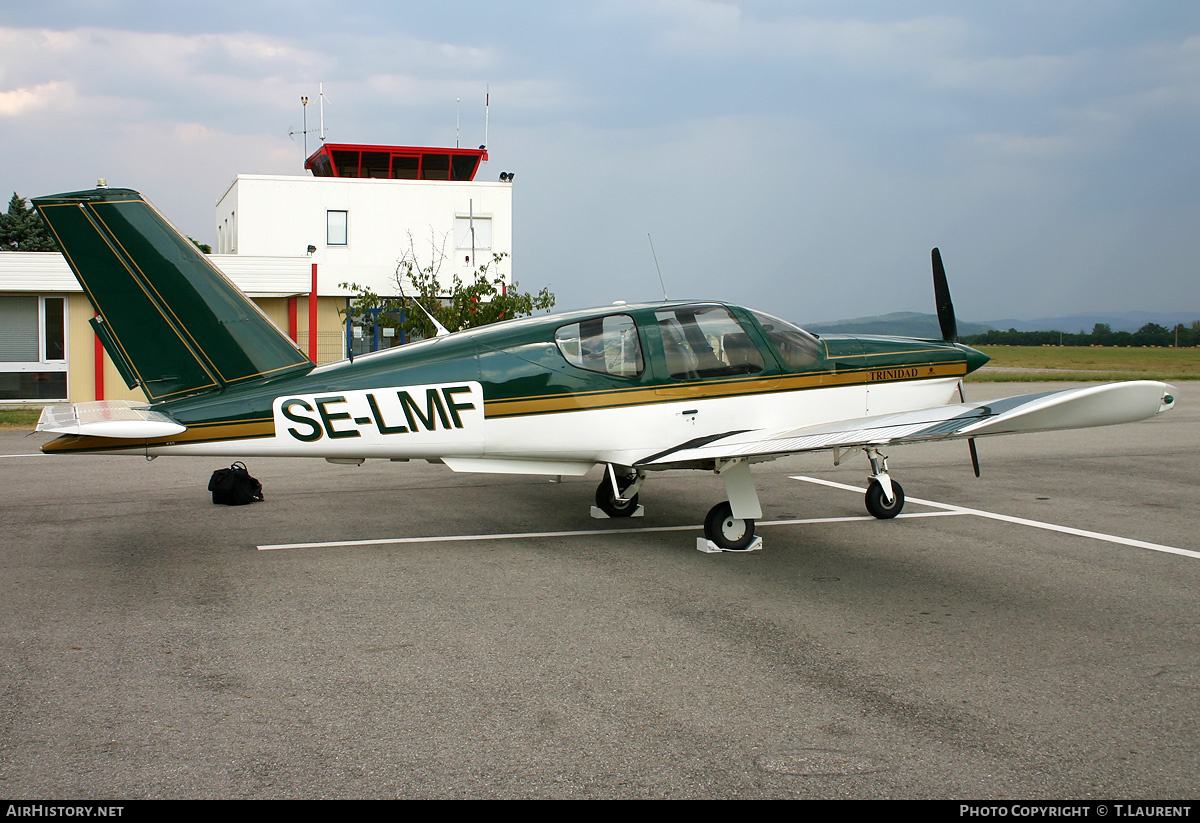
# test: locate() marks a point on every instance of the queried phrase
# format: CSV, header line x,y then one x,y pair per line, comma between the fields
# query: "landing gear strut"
x,y
885,497
729,526
616,495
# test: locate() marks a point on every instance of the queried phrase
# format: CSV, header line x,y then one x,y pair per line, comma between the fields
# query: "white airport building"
x,y
288,242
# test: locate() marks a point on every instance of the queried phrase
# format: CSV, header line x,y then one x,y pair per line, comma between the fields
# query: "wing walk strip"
x,y
1037,524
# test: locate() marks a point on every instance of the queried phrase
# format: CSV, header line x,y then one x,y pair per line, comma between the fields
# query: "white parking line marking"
x,y
1037,524
459,538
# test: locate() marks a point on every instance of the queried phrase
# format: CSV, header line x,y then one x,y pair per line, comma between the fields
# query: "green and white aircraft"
x,y
633,388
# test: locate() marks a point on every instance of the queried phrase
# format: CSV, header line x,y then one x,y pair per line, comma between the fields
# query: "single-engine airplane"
x,y
633,388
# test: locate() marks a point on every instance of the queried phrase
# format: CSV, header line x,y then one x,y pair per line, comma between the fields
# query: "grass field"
x,y
19,418
1037,363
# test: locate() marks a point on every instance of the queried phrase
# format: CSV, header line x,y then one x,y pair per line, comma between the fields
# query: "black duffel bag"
x,y
234,486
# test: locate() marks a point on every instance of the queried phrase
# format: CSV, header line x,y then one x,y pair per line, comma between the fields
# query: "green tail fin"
x,y
172,320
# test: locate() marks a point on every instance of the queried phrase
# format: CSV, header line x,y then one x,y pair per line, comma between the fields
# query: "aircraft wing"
x,y
1102,405
107,418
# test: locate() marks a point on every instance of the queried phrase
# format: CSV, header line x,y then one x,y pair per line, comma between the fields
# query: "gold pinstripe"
x,y
252,428
196,433
604,399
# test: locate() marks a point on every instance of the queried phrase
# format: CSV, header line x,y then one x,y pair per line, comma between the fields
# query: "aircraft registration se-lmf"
x,y
634,388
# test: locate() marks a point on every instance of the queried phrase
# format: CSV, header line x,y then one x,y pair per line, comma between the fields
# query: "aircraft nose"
x,y
975,358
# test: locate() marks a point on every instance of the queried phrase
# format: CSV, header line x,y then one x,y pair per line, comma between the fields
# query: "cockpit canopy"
x,y
698,341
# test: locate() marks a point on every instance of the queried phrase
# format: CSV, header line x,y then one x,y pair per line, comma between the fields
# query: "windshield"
x,y
797,348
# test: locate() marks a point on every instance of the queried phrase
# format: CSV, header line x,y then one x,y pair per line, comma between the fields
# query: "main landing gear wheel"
x,y
609,504
726,531
877,503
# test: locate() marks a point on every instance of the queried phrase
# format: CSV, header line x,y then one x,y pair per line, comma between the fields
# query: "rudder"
x,y
168,317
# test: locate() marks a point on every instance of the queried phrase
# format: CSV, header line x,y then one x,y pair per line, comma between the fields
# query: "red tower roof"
x,y
395,162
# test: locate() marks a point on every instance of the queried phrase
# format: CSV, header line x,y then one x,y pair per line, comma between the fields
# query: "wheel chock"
x,y
599,514
705,545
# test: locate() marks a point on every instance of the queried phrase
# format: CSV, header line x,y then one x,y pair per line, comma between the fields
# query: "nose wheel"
x,y
727,532
878,504
885,498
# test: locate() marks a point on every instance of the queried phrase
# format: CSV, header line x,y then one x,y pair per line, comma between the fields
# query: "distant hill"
x,y
900,324
1119,321
916,324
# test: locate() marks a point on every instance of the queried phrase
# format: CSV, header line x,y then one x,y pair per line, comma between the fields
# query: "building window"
x,y
473,232
33,347
337,225
54,338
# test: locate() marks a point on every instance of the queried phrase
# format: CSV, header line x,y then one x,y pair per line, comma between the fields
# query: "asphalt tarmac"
x,y
1042,644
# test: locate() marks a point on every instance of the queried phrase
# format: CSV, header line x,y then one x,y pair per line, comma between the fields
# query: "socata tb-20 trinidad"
x,y
634,388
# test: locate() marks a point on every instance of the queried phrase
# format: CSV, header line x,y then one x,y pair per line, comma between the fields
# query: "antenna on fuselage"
x,y
657,267
441,330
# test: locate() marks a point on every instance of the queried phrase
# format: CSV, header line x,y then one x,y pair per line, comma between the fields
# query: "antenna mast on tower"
x,y
322,102
321,98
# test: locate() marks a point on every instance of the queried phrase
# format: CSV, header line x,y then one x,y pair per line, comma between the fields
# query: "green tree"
x,y
22,228
457,304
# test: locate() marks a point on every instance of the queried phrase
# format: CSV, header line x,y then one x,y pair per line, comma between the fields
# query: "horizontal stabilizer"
x,y
1103,405
108,418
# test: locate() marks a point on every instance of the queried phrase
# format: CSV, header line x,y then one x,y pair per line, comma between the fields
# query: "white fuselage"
x,y
447,422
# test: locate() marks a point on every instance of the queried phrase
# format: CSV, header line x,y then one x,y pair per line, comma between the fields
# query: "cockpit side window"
x,y
706,341
608,345
798,349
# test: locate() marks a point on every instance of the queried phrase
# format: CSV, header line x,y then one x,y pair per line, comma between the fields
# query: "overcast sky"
x,y
801,157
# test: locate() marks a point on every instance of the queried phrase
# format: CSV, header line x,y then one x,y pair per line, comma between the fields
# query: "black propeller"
x,y
949,326
941,296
